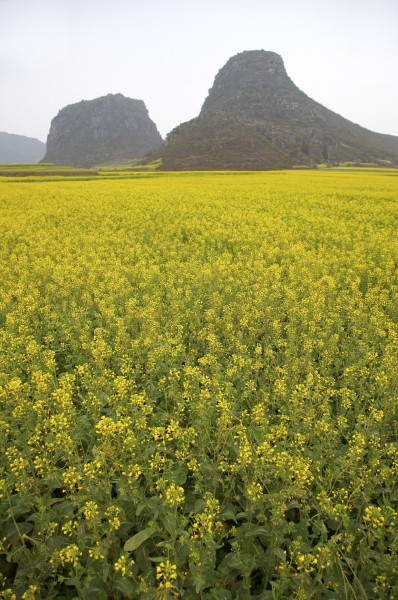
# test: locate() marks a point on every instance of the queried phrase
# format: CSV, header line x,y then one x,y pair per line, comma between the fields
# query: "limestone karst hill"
x,y
105,130
255,117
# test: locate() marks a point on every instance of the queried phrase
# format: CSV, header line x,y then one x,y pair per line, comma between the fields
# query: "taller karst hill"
x,y
255,117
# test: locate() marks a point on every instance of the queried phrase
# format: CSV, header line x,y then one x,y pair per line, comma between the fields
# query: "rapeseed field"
x,y
198,387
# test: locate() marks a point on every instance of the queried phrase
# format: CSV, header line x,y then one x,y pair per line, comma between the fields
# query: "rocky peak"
x,y
108,129
258,67
251,84
255,117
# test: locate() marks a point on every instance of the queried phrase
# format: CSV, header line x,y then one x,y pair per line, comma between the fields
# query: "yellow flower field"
x,y
199,386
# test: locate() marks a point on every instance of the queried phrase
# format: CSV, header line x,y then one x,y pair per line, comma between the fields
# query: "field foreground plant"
x,y
198,387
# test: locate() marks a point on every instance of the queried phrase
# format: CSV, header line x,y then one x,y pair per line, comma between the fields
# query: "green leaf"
x,y
64,508
14,532
179,475
139,538
293,504
256,531
228,515
141,506
56,542
279,553
19,506
95,589
128,589
90,593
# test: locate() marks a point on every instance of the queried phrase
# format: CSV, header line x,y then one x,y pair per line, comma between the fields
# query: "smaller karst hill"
x,y
105,130
20,149
255,117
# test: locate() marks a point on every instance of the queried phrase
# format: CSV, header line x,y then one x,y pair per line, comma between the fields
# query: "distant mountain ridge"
x,y
20,149
104,130
255,117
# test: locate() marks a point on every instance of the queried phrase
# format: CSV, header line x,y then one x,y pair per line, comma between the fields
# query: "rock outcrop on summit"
x,y
255,117
105,130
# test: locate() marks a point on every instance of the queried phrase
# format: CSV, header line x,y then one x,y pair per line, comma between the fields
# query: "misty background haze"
x,y
57,52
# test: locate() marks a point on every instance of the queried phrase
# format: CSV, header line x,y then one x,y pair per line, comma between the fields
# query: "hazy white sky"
x,y
342,53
